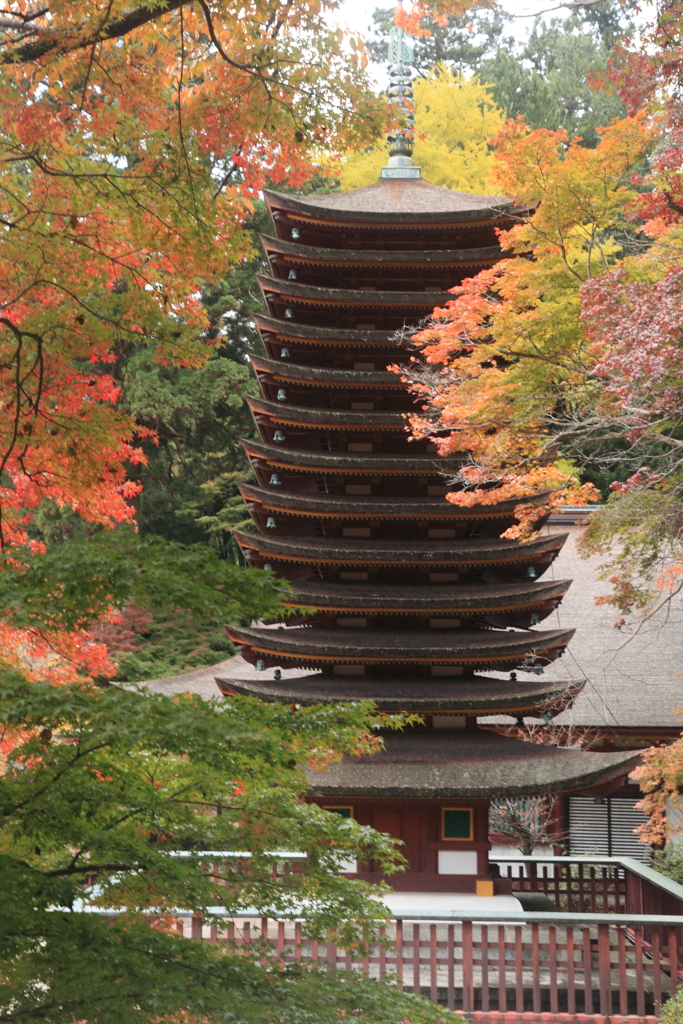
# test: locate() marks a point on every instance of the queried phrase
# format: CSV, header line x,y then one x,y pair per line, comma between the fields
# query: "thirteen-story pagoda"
x,y
417,600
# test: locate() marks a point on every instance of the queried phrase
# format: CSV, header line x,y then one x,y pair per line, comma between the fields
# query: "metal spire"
x,y
400,143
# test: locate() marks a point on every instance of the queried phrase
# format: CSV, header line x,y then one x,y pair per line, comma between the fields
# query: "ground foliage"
x,y
101,788
51,599
154,645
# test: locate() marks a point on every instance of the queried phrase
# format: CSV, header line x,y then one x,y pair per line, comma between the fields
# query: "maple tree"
x,y
505,368
456,117
660,777
106,805
134,138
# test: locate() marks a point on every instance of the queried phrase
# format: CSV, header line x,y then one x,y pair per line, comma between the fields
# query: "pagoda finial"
x,y
400,143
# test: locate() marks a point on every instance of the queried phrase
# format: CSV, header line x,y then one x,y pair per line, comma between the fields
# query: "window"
x,y
344,812
606,828
456,823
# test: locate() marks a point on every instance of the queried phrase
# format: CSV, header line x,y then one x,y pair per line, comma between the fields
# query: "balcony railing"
x,y
594,885
596,955
535,963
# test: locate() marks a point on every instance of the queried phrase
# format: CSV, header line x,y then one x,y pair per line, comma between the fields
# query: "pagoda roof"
x,y
314,255
341,419
365,551
494,648
474,695
314,295
359,506
409,599
312,335
393,201
350,462
467,763
295,373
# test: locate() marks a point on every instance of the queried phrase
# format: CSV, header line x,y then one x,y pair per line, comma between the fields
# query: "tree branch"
x,y
58,43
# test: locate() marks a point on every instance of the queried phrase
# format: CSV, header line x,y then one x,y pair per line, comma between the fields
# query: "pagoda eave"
x,y
453,599
344,551
477,695
307,255
468,763
335,419
361,464
343,297
314,335
309,376
346,507
480,649
392,203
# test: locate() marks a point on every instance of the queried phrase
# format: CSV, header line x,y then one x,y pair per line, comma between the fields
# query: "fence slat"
x,y
467,968
450,991
623,980
552,967
519,972
433,993
640,987
399,953
587,972
485,968
672,950
416,958
571,972
502,974
656,970
604,969
536,968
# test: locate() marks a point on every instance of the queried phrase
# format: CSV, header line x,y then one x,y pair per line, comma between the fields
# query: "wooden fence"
x,y
558,964
595,885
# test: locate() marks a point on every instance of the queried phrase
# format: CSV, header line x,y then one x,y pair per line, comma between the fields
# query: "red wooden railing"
x,y
614,946
590,964
595,885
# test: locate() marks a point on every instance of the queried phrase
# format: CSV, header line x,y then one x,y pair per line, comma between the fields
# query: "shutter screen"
x,y
605,829
624,818
588,827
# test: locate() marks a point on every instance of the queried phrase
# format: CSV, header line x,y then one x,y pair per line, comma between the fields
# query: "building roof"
x,y
453,599
388,201
288,330
315,255
295,373
311,294
338,419
472,695
346,550
467,763
367,463
634,673
479,649
344,506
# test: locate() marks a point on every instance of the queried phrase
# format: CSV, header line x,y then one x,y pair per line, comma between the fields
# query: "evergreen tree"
x,y
545,79
463,41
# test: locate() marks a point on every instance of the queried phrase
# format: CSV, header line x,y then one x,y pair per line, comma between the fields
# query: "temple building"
x,y
412,602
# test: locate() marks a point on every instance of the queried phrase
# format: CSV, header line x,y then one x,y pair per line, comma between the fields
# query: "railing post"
x,y
604,970
467,971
